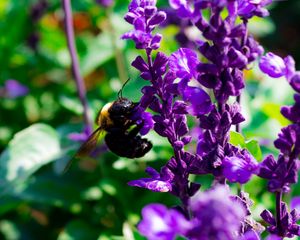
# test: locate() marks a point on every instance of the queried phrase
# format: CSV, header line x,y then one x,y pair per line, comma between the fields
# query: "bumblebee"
x,y
122,134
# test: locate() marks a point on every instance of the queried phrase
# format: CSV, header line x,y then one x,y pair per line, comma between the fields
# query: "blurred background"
x,y
41,117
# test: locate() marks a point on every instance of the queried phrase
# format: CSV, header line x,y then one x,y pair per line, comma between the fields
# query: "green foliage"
x,y
238,140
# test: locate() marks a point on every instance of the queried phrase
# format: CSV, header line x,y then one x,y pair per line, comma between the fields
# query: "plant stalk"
x,y
81,90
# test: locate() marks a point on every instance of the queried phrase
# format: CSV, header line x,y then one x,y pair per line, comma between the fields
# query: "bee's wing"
x,y
86,148
90,144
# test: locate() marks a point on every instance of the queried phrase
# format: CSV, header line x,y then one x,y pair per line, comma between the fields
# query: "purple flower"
x,y
272,65
143,120
239,168
38,10
250,235
161,223
295,82
157,183
211,146
105,3
216,215
13,89
295,203
250,8
80,137
273,237
249,225
183,63
292,113
143,15
182,6
200,102
281,174
287,226
289,140
290,66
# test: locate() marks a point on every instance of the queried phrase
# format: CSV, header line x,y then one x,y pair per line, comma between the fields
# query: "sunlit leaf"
x,y
237,139
254,148
30,149
9,230
272,110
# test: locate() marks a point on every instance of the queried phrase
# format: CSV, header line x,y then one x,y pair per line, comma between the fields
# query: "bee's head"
x,y
122,107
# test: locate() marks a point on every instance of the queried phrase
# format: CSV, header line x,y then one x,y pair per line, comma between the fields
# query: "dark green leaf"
x,y
253,147
30,149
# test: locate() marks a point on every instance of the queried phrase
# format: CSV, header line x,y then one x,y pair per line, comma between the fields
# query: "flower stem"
x,y
75,63
238,127
278,210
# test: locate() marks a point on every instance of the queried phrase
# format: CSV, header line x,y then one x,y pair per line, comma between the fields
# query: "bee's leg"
x,y
134,131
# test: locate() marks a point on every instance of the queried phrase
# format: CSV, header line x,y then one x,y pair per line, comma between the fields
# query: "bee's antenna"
x,y
120,93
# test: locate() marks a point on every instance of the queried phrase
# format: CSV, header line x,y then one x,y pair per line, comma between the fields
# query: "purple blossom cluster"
x,y
13,89
183,84
208,222
283,172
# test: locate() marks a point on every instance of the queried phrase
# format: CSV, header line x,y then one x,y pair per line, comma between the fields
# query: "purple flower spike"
x,y
14,89
272,65
182,7
144,17
279,174
161,223
216,215
287,226
183,63
239,169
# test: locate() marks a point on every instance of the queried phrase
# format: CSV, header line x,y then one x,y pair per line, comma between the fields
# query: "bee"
x,y
122,133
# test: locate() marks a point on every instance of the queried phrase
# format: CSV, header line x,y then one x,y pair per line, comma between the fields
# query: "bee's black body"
x,y
127,144
122,133
122,138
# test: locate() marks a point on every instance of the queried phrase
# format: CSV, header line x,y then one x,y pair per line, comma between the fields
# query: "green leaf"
x,y
8,203
49,189
9,230
78,230
94,58
237,139
180,238
30,149
254,148
261,26
72,104
272,110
